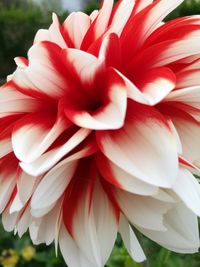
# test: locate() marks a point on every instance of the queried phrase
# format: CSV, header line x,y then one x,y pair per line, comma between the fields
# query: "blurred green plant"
x,y
17,29
188,7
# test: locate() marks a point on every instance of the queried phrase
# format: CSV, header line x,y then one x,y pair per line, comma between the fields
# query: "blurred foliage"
x,y
17,29
188,7
91,6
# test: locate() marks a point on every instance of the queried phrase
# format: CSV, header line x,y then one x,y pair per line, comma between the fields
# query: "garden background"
x,y
19,21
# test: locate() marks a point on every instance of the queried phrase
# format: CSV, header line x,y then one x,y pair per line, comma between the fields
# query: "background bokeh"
x,y
19,21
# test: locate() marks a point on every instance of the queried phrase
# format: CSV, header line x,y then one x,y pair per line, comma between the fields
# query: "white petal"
x,y
145,212
189,132
75,27
130,241
70,251
26,185
182,233
121,16
188,189
53,185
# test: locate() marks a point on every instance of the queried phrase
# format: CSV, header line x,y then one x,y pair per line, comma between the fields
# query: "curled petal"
x,y
51,157
44,127
110,114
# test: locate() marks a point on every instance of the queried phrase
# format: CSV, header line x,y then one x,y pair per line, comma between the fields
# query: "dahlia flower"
x,y
100,131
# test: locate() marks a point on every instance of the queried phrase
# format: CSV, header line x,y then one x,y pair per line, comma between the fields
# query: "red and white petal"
x,y
109,51
189,166
8,179
74,28
179,28
130,241
46,161
154,90
123,180
99,25
164,53
85,65
53,185
13,102
53,34
120,16
188,78
189,96
156,84
34,134
188,189
96,235
77,208
94,14
111,114
147,20
145,147
181,235
145,212
21,62
44,77
6,146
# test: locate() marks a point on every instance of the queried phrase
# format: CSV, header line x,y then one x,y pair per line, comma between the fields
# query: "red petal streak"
x,y
110,51
162,54
14,102
78,191
141,25
179,28
99,25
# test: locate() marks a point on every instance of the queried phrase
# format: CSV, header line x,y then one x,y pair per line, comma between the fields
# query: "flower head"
x,y
9,258
28,253
100,130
